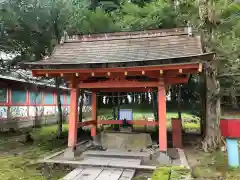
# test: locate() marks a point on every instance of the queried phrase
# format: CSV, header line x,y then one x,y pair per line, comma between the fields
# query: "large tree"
x,y
30,29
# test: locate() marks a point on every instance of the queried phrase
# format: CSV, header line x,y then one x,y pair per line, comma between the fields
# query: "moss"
x,y
179,172
172,172
196,172
19,161
161,173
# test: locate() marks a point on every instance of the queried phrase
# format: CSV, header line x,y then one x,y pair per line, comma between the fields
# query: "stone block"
x,y
164,159
69,153
125,140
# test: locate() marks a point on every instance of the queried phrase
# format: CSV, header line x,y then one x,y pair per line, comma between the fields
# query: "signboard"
x,y
125,114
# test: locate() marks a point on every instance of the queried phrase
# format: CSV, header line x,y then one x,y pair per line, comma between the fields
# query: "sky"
x,y
5,56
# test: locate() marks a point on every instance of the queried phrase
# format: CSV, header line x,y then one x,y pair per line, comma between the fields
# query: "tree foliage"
x,y
154,15
31,28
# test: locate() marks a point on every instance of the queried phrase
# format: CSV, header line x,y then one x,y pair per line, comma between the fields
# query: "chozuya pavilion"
x,y
123,62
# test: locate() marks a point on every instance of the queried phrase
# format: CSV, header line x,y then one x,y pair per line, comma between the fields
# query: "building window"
x,y
35,98
49,98
19,96
3,95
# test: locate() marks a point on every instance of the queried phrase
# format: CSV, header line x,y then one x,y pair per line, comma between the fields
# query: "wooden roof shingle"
x,y
124,48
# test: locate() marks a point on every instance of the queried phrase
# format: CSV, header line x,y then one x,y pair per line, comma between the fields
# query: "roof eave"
x,y
42,65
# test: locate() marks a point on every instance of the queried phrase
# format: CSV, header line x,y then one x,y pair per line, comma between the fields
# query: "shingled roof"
x,y
125,47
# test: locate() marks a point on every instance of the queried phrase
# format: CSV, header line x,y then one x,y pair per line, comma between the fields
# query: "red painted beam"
x,y
132,85
151,74
176,80
134,122
86,123
125,90
121,69
119,84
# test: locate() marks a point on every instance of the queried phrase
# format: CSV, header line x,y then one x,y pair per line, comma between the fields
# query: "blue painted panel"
x,y
35,98
125,114
3,95
48,99
19,96
62,99
233,154
68,99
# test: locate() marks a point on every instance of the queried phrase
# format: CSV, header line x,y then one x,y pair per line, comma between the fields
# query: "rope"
x,y
99,95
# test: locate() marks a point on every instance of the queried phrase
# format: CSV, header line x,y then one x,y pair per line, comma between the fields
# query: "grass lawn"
x,y
18,160
208,166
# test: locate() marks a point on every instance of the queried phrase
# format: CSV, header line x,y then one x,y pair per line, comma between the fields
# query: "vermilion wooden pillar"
x,y
162,119
94,113
73,115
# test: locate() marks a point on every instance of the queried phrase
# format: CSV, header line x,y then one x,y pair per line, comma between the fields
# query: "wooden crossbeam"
x,y
120,84
108,71
86,123
133,122
131,85
125,90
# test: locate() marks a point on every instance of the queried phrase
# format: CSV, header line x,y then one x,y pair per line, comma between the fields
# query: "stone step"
x,y
122,154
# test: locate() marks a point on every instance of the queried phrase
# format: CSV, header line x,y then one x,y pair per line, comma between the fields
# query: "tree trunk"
x,y
115,110
118,105
80,112
179,103
203,99
59,106
155,107
114,99
179,98
233,99
212,139
155,104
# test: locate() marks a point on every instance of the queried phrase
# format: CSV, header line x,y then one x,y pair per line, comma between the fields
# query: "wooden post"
x,y
176,133
73,116
162,121
94,113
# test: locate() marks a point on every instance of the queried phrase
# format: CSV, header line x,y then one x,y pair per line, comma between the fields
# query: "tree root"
x,y
211,142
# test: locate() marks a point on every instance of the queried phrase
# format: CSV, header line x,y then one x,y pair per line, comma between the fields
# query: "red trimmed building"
x,y
25,104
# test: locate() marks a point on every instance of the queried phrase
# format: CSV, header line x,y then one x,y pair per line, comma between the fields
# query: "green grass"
x,y
213,166
231,116
18,160
170,172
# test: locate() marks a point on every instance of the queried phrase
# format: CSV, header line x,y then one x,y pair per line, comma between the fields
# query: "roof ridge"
x,y
128,35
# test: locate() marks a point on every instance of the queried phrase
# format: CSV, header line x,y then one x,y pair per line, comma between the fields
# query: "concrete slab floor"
x,y
172,157
156,158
